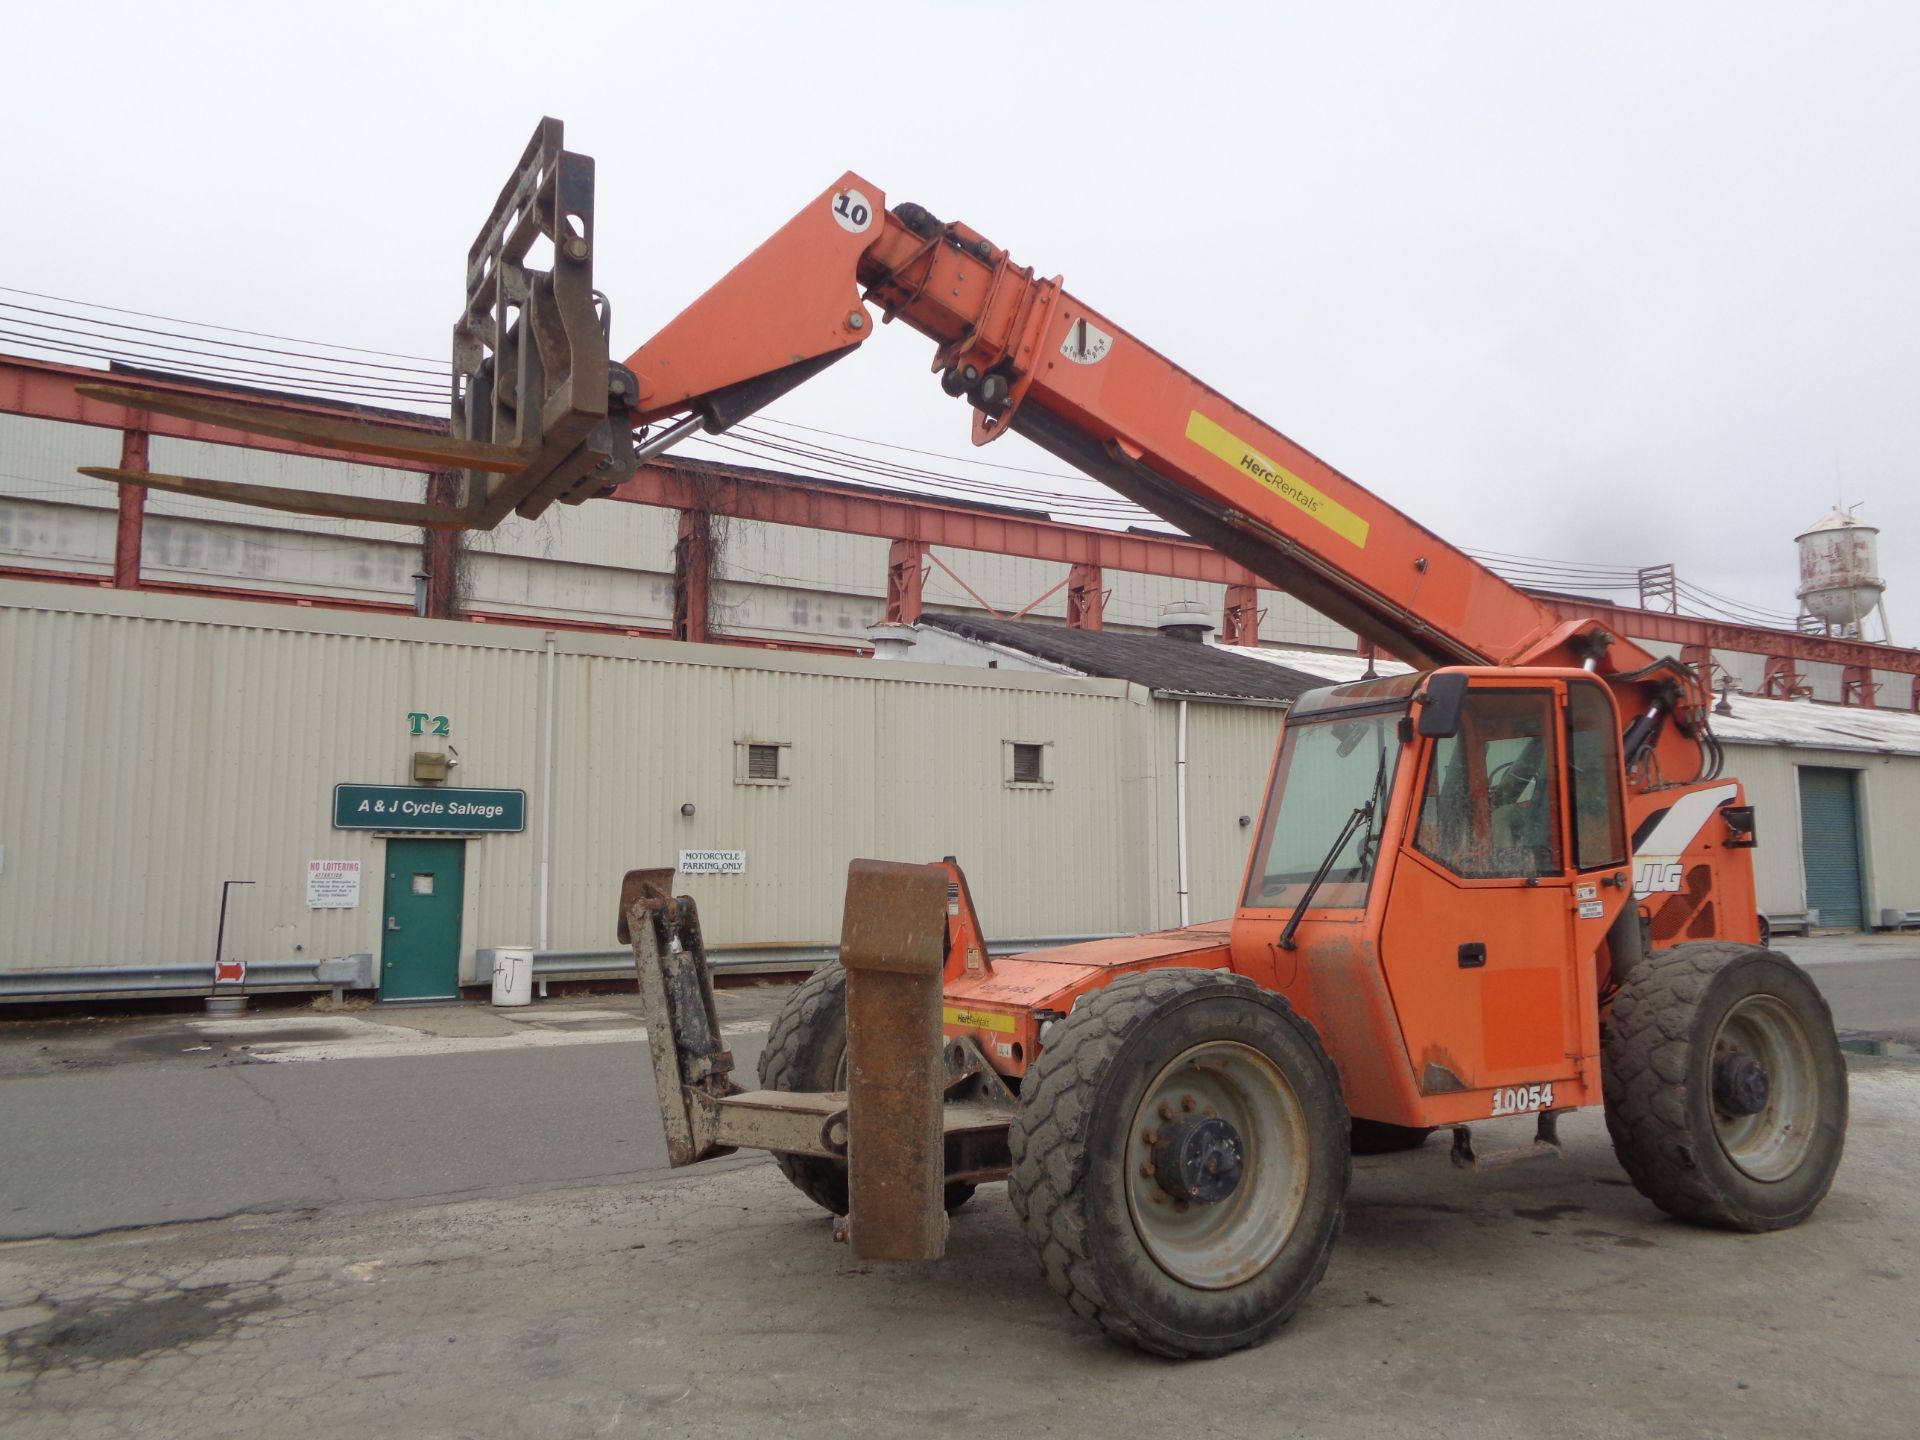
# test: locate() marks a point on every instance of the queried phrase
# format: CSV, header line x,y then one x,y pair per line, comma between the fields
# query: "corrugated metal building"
x,y
1835,791
156,746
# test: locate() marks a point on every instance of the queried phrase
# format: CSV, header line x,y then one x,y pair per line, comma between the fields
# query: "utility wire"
x,y
224,374
340,375
387,383
226,344
203,325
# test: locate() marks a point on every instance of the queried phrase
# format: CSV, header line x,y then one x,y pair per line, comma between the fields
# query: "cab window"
x,y
1489,808
1331,771
1593,778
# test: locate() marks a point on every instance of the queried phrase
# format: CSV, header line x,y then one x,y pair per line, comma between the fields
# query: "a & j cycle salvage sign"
x,y
415,807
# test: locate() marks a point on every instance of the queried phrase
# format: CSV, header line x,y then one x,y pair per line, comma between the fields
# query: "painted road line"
x,y
375,1040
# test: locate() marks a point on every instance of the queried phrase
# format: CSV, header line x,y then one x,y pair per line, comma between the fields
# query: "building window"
x,y
761,762
1028,763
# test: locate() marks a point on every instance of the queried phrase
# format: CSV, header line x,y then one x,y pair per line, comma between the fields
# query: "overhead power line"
x,y
333,371
204,325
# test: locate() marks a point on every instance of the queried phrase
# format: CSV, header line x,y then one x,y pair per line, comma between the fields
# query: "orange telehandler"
x,y
1508,884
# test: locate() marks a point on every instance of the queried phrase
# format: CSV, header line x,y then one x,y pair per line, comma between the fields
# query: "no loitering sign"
x,y
333,884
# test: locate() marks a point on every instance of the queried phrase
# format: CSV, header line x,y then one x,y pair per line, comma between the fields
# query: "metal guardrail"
x,y
756,959
356,972
87,982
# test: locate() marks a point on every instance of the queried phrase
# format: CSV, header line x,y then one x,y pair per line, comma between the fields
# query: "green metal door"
x,y
420,948
1830,846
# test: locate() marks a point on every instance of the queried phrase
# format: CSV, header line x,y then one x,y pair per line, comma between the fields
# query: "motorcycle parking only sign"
x,y
713,862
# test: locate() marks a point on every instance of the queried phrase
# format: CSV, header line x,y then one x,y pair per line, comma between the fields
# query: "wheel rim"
x,y
1770,1143
1217,1244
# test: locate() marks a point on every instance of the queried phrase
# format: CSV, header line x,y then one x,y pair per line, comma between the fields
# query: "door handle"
x,y
392,924
1473,955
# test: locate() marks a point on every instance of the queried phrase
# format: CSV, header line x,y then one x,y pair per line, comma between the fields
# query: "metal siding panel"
x,y
1229,752
150,760
160,745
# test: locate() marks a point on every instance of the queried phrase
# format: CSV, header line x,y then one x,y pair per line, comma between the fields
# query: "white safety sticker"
x,y
1519,1099
1592,910
852,211
1586,892
1086,342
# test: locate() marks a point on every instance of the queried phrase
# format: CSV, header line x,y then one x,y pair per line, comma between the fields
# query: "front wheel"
x,y
1726,1092
1180,1160
806,1049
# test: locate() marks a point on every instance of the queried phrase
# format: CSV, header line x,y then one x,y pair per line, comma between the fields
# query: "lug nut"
x,y
1150,1137
1166,1110
1186,1102
1146,1170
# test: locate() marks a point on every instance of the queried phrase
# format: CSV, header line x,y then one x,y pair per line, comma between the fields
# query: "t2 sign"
x,y
421,723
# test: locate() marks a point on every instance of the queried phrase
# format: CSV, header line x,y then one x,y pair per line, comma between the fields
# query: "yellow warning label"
x,y
978,1019
1220,442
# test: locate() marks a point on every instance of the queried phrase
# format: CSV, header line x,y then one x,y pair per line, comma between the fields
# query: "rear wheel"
x,y
1726,1092
807,1050
1180,1160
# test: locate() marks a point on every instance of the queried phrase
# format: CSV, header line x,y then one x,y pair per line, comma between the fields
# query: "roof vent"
x,y
1186,620
891,641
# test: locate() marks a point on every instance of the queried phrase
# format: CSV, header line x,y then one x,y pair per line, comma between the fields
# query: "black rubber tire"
x,y
1069,1146
1656,1050
1377,1137
806,1050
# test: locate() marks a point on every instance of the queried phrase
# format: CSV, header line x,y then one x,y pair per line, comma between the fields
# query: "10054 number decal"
x,y
1519,1099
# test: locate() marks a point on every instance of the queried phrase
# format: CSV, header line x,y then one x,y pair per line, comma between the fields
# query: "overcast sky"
x,y
1621,284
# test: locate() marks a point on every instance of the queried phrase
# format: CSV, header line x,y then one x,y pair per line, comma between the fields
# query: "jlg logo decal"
x,y
1656,877
1521,1098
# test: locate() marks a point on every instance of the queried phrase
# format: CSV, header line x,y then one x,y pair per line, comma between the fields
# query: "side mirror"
x,y
1440,713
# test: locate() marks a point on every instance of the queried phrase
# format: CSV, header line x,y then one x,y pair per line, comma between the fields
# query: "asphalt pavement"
x,y
456,1222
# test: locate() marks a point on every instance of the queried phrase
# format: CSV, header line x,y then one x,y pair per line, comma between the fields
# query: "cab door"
x,y
1477,940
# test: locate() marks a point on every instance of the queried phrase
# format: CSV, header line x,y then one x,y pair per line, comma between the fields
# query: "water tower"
x,y
1840,582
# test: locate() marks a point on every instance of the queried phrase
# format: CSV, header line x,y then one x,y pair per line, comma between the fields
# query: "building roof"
x,y
1332,667
1803,724
1182,669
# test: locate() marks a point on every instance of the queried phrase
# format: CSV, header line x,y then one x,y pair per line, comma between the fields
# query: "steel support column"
x,y
1857,686
1240,622
692,576
440,550
1782,680
130,524
1086,598
906,581
1700,657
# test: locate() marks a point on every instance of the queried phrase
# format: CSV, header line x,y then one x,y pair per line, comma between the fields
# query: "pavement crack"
x,y
284,1122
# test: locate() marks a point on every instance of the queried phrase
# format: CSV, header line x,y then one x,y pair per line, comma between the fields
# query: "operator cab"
x,y
1439,861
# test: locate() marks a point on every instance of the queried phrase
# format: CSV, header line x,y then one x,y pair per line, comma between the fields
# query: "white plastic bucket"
x,y
512,977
